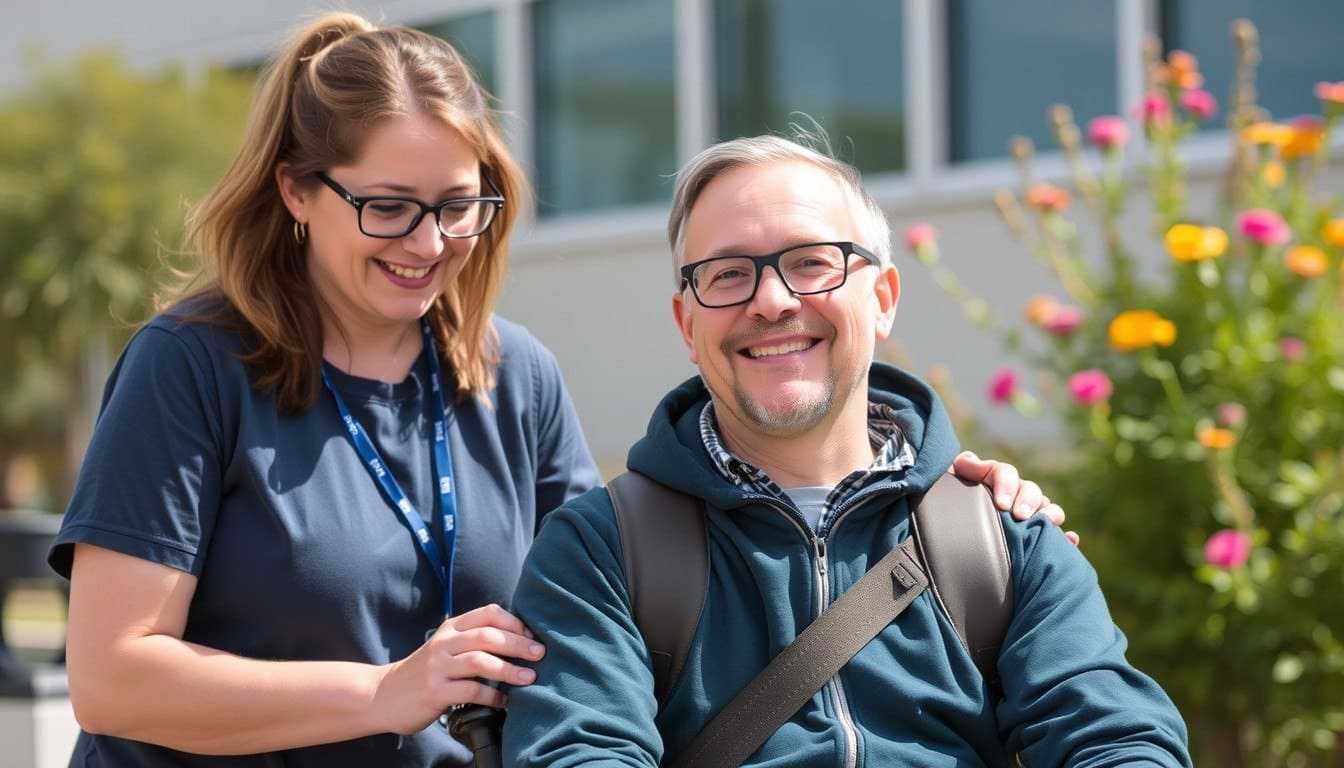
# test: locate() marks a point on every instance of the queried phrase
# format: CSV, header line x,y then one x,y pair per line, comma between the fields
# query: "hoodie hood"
x,y
673,453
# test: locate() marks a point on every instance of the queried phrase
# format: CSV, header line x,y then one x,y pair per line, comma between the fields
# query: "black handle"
x,y
478,727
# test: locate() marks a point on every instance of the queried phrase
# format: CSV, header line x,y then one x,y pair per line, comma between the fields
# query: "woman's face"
x,y
376,283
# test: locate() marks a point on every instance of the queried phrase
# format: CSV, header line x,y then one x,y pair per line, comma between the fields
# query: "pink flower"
x,y
1231,414
1090,387
919,235
1200,104
1227,549
1155,109
1292,348
1002,386
1263,226
1108,132
1064,320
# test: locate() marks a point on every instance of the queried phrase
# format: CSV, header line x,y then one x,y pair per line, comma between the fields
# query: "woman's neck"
x,y
384,353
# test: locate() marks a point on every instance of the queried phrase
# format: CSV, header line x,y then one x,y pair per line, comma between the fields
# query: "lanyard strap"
x,y
440,560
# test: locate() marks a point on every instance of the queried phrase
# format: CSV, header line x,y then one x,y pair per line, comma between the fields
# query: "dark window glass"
x,y
1299,47
838,62
1009,62
474,37
605,106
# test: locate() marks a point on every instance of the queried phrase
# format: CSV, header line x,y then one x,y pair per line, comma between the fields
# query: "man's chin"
x,y
785,413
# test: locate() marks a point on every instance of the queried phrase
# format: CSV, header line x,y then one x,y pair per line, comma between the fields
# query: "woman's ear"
x,y
297,197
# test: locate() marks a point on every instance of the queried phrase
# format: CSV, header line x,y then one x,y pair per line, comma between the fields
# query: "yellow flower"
x,y
1306,261
1141,328
1306,136
1216,437
1274,134
1333,232
1191,242
1272,174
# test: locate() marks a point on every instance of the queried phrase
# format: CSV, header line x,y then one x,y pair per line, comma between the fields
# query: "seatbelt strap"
x,y
814,657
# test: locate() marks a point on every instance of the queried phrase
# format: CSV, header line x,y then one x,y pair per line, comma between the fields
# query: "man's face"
x,y
782,364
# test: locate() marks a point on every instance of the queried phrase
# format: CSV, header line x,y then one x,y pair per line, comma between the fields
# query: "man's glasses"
x,y
726,281
390,216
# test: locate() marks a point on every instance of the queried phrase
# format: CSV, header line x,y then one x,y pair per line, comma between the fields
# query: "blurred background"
x,y
115,117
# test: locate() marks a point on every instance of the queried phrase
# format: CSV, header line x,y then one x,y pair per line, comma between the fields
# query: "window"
x,y
837,62
474,37
1008,63
605,103
1299,47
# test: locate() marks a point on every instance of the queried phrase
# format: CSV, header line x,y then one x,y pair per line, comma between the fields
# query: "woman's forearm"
x,y
162,690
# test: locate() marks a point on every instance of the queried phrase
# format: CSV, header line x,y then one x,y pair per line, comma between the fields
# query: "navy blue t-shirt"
x,y
298,555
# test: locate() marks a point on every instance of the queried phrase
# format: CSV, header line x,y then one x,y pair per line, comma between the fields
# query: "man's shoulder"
x,y
590,510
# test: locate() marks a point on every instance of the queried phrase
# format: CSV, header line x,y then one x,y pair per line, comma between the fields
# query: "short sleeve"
x,y
151,481
565,467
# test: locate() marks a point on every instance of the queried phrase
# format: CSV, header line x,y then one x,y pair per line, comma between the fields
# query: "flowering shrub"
x,y
1204,408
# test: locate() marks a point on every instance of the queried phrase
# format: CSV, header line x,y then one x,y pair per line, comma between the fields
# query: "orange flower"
x,y
1273,174
1216,437
1040,309
1307,135
1306,261
1191,242
1181,71
1273,134
1333,232
1048,197
1141,328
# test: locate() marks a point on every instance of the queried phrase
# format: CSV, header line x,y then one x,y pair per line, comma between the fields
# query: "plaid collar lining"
x,y
893,453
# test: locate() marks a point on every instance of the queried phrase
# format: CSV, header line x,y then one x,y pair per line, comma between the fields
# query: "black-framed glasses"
x,y
393,216
726,281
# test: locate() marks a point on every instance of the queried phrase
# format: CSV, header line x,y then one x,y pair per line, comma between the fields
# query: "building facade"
x,y
604,99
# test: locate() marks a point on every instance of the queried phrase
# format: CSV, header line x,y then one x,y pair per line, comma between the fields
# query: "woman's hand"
x,y
1023,497
449,668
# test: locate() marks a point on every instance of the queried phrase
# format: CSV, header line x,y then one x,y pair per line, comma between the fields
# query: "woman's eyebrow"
x,y
402,189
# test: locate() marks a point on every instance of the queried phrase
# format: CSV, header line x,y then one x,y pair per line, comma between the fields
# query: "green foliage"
x,y
98,164
1226,417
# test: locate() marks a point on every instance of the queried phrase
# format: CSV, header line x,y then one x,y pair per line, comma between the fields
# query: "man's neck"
x,y
821,456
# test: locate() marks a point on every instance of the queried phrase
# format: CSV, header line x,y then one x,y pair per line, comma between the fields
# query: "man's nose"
x,y
773,299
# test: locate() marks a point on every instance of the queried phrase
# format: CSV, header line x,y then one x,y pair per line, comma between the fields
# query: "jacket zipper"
x,y
823,592
842,710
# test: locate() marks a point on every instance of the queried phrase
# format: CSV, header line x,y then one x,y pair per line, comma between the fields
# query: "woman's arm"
x,y
132,675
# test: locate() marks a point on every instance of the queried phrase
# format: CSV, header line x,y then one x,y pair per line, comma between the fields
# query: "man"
x,y
805,453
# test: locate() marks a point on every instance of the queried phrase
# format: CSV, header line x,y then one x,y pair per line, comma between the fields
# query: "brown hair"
x,y
334,80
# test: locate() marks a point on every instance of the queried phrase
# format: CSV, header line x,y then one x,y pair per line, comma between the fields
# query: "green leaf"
x,y
1300,475
1335,376
1287,669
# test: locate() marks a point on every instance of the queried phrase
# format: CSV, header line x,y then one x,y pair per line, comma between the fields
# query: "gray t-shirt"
x,y
297,553
810,500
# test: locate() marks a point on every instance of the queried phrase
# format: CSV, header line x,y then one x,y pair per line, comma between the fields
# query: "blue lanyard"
x,y
443,467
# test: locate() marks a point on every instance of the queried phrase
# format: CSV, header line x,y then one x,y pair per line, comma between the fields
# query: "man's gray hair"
x,y
805,146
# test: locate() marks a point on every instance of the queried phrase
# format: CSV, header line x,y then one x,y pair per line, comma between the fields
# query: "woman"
x,y
243,578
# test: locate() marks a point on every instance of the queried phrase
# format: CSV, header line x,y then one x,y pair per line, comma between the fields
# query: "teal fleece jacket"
x,y
911,697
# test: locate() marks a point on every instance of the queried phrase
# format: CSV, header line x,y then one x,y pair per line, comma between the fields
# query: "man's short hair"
x,y
811,147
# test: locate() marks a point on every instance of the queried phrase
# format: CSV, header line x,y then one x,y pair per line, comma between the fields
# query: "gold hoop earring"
x,y
300,232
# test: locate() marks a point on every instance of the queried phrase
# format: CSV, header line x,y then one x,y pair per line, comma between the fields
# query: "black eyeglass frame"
x,y
359,203
772,260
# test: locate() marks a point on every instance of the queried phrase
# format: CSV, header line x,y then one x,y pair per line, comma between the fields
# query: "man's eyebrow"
x,y
727,250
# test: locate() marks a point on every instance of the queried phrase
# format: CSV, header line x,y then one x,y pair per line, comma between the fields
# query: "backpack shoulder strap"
x,y
665,554
961,541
